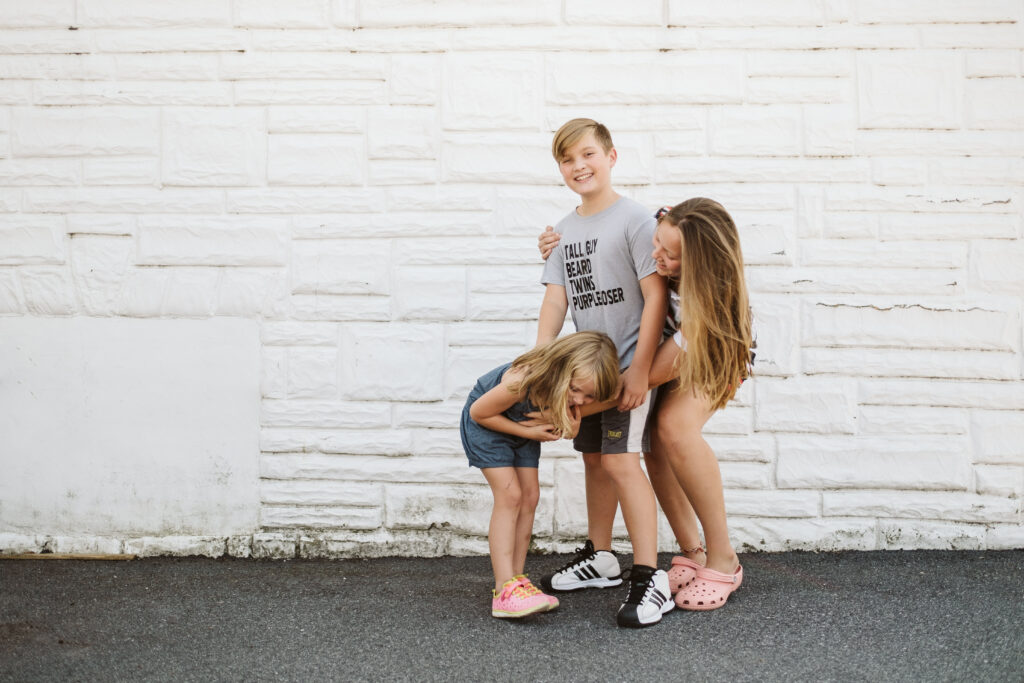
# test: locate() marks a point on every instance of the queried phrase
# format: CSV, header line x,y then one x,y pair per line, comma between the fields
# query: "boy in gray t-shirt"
x,y
600,262
602,271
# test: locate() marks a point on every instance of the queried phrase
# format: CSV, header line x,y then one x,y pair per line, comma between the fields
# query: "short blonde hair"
x,y
573,131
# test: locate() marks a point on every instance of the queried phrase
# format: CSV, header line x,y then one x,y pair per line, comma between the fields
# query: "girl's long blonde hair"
x,y
714,307
551,367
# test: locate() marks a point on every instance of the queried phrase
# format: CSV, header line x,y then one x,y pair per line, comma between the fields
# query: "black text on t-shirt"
x,y
580,274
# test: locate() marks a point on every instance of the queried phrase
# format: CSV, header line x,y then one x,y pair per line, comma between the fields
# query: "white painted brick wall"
x,y
371,198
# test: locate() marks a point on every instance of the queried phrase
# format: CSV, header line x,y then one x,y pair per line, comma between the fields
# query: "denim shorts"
x,y
488,448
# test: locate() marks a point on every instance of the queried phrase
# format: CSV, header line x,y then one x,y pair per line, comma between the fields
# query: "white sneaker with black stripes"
x,y
588,568
649,597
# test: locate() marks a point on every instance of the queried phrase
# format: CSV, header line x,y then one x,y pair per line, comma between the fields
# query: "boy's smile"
x,y
586,167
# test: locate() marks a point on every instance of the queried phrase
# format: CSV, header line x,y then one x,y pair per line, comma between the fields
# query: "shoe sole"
x,y
590,583
701,607
629,622
502,614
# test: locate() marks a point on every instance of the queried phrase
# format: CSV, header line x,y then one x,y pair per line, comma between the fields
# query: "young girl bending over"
x,y
556,379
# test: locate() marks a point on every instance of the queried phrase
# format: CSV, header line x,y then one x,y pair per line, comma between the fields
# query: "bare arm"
x,y
552,313
487,411
652,322
662,372
663,368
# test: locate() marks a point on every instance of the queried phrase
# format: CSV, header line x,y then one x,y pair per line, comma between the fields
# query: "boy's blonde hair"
x,y
572,131
551,367
714,307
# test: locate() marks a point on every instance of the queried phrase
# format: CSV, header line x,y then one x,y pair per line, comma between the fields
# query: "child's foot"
x,y
533,590
589,568
514,601
648,597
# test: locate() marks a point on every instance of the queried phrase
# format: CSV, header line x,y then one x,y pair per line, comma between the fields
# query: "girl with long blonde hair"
x,y
697,247
556,379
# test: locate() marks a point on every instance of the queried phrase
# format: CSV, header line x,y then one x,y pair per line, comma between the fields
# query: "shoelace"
x,y
528,586
639,585
581,555
521,591
517,590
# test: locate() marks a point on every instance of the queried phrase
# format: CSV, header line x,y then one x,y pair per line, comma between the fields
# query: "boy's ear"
x,y
612,156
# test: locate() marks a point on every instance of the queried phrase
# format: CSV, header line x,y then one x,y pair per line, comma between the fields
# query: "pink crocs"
x,y
708,590
681,573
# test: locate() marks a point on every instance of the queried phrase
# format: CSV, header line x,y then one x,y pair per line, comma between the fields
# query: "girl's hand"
x,y
533,419
547,242
574,422
634,389
542,432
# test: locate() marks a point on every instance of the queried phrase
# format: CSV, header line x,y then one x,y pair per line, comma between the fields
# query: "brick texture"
x,y
367,179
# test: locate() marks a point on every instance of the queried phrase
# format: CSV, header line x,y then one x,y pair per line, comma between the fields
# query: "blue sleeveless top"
x,y
517,413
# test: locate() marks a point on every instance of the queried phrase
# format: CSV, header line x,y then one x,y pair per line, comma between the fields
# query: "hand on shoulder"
x,y
547,241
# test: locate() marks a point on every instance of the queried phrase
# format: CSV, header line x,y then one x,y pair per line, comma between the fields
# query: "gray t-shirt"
x,y
600,261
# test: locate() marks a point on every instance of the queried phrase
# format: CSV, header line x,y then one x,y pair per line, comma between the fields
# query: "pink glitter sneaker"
x,y
515,601
533,590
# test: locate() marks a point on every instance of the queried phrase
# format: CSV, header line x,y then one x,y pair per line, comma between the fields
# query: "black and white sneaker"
x,y
648,598
588,568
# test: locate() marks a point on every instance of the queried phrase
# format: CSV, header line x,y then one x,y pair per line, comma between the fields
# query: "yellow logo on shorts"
x,y
614,435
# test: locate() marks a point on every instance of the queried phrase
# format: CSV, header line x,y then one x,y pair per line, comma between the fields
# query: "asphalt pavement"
x,y
851,616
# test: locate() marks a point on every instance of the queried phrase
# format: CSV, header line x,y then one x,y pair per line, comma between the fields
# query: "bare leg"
x,y
678,511
501,534
529,488
639,508
601,502
680,420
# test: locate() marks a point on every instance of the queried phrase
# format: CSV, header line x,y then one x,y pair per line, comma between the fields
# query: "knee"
x,y
679,438
620,465
510,498
665,434
529,499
